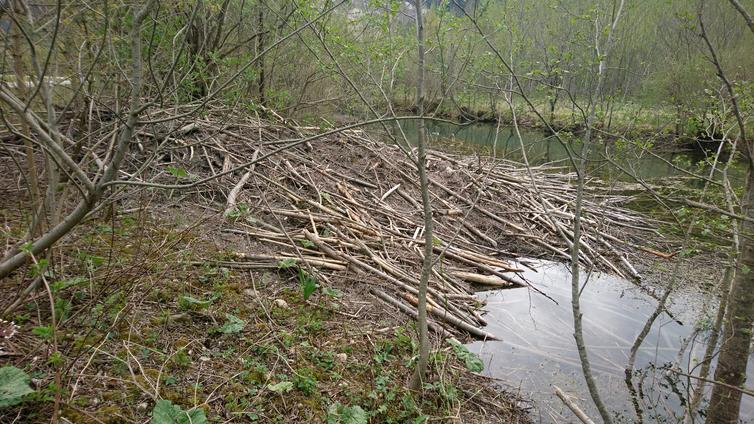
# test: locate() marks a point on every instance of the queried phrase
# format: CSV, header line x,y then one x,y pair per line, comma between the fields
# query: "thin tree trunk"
x,y
578,333
421,366
33,179
260,48
731,365
725,403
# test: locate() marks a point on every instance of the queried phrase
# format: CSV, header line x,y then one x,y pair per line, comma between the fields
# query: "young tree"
x,y
421,366
725,402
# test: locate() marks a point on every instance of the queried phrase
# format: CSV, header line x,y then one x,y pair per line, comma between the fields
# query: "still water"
x,y
540,149
538,350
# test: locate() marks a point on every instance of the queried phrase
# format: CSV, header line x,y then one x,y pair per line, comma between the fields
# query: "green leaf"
x,y
189,302
64,284
238,211
165,412
232,325
282,387
14,385
307,243
308,283
43,332
471,360
178,172
338,413
331,292
287,263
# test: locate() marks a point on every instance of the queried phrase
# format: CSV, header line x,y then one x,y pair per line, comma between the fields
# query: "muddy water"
x,y
538,351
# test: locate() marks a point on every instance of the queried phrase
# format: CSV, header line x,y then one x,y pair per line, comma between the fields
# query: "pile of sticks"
x,y
347,206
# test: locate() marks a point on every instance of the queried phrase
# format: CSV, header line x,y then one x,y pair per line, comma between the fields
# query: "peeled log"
x,y
487,280
446,316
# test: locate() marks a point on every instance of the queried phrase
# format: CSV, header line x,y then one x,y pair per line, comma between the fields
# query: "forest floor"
x,y
150,317
168,297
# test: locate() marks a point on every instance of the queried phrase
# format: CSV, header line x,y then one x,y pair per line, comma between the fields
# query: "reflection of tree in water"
x,y
537,348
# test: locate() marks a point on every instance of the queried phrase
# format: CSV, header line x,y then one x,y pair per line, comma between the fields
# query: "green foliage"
x,y
14,386
338,413
44,332
305,381
471,360
241,209
308,283
165,412
58,286
287,263
187,302
181,359
178,172
232,325
281,387
331,292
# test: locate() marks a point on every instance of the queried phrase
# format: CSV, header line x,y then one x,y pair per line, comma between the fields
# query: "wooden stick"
x,y
407,310
487,280
446,316
231,202
573,407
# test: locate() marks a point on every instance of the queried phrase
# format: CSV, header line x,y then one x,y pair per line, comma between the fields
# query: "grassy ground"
x,y
144,316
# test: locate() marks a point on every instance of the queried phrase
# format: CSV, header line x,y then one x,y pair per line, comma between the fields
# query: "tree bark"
x,y
421,366
260,48
731,366
725,402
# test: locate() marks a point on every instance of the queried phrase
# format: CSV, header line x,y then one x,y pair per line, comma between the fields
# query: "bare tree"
x,y
724,406
578,333
421,366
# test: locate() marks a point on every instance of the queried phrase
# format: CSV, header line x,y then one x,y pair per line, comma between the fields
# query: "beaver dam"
x,y
347,206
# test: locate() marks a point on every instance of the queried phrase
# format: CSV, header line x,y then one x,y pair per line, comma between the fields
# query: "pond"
x,y
538,350
540,149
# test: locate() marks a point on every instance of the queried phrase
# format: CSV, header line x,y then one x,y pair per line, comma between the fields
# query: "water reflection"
x,y
542,149
537,348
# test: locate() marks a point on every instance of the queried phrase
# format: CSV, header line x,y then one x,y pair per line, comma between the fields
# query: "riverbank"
x,y
628,118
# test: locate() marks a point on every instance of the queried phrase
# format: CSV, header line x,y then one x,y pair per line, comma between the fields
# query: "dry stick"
x,y
715,382
336,266
358,263
499,219
572,406
487,280
483,267
231,203
475,231
446,316
407,310
744,13
398,274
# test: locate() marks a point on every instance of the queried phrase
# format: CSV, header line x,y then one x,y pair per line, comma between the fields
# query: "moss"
x,y
110,414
